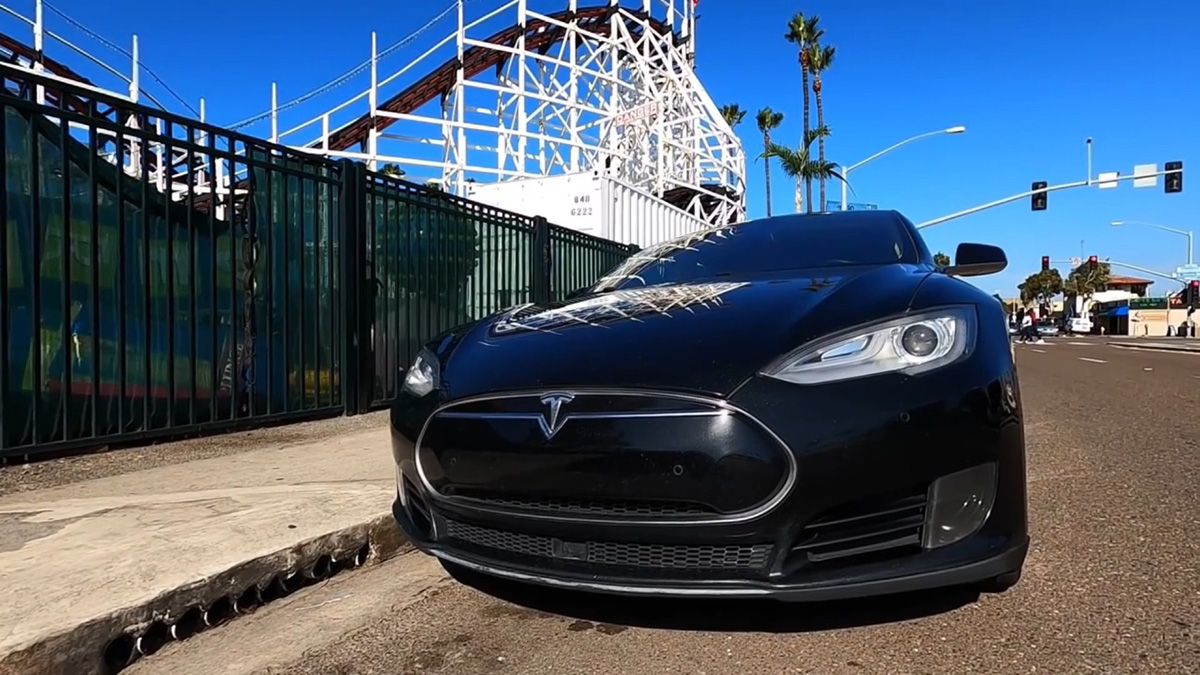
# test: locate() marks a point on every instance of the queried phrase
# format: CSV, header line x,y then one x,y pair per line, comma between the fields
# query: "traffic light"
x,y
1193,294
1174,179
1038,200
1092,263
1045,263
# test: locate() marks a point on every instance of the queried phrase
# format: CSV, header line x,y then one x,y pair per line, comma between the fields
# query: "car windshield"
x,y
769,245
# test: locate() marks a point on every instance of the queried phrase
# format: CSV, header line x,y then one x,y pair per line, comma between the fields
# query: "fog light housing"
x,y
958,505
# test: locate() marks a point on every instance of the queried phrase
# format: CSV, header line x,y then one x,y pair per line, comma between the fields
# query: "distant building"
x,y
1118,288
1132,285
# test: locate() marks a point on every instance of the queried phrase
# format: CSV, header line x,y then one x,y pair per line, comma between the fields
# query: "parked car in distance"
x,y
1079,325
800,407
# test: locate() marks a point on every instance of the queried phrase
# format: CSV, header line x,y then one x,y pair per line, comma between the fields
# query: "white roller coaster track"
x,y
589,85
613,89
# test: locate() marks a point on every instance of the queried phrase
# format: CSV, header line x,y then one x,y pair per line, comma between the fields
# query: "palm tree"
x,y
941,260
819,59
733,114
799,164
802,31
391,169
768,120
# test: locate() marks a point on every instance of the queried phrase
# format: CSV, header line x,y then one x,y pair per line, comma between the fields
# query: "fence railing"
x,y
135,306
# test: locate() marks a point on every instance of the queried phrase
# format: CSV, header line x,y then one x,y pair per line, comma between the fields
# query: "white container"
x,y
594,204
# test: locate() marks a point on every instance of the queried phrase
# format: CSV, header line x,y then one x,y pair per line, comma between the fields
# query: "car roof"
x,y
834,218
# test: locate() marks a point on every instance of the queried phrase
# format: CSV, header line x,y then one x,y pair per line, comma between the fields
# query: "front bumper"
x,y
845,584
850,517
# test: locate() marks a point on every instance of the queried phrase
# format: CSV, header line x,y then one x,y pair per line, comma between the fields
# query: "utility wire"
x,y
351,74
117,48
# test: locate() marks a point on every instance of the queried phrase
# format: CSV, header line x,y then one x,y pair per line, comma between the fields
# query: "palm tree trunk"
x,y
767,170
821,142
804,83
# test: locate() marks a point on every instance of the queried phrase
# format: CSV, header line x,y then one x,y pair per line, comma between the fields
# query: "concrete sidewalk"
x,y
104,560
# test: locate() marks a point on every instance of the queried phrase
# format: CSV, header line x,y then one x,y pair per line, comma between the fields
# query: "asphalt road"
x,y
1112,584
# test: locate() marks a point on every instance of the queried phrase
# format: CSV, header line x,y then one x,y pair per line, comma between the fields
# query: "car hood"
x,y
705,336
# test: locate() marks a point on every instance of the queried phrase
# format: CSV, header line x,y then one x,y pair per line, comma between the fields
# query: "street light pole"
x,y
1186,233
846,170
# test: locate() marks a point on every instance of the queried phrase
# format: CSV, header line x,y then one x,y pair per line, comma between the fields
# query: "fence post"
x,y
356,376
542,264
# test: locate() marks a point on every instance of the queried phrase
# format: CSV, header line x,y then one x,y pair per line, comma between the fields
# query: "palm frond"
x,y
803,30
815,133
768,119
820,57
733,114
793,162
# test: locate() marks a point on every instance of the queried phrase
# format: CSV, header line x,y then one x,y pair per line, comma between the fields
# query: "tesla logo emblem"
x,y
553,420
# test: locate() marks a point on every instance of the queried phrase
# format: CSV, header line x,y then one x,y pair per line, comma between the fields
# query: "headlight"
x,y
423,374
911,344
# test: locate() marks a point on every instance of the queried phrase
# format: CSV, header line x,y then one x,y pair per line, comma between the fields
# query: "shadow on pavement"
x,y
764,616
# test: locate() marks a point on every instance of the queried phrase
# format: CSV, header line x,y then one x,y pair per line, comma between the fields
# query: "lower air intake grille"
x,y
873,527
652,556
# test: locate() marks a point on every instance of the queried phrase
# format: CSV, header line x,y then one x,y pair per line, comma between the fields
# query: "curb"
x,y
108,644
1156,348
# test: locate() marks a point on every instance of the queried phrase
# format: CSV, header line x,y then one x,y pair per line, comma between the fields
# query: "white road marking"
x,y
1084,358
1082,344
1040,351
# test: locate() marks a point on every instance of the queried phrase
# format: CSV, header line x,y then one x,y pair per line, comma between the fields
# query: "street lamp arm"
x,y
1169,229
1164,228
889,149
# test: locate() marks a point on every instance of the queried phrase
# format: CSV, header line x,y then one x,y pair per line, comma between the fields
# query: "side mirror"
x,y
973,260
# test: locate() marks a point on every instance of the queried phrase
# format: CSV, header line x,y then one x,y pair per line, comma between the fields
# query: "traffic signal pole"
x,y
1132,267
1029,193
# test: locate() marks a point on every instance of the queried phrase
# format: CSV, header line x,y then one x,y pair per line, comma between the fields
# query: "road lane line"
x,y
1040,351
1084,358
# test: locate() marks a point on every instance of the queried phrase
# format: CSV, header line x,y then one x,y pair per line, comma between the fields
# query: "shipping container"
x,y
594,204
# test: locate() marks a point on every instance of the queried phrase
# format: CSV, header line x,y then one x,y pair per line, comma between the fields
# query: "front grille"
x,y
594,507
615,554
884,526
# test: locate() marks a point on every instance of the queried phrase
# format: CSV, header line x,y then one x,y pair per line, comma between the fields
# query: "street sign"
x,y
1188,272
850,206
1076,262
1108,179
1147,171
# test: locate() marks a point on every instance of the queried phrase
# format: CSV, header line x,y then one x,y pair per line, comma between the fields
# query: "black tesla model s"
x,y
800,407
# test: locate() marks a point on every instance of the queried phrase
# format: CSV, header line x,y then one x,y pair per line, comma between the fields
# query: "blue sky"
x,y
1030,80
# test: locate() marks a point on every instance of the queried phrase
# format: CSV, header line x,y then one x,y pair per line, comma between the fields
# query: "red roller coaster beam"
x,y
539,34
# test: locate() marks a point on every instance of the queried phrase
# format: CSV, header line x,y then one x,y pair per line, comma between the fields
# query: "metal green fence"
x,y
141,295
